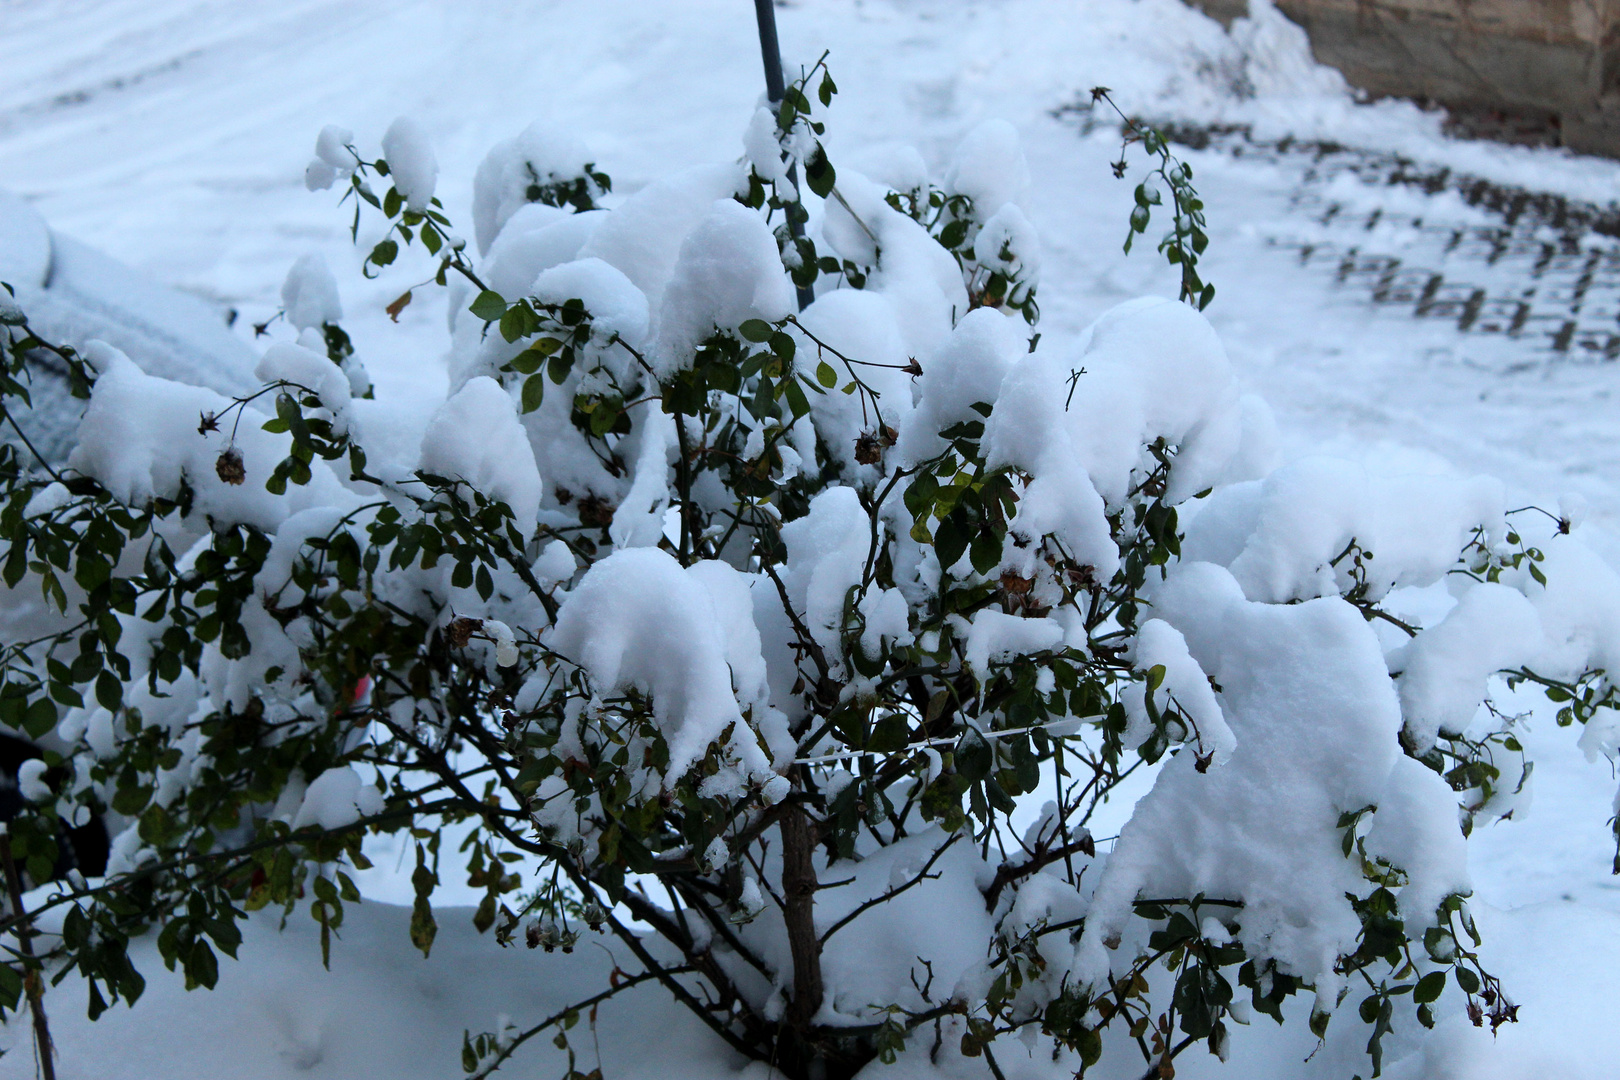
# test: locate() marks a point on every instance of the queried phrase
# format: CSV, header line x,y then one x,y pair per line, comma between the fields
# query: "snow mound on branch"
x,y
617,307
728,272
995,636
1307,695
139,438
411,163
1147,370
309,296
907,265
967,369
1158,644
1154,368
827,551
643,236
1009,243
1444,670
337,798
638,620
476,437
863,325
285,362
519,255
639,519
1280,535
501,186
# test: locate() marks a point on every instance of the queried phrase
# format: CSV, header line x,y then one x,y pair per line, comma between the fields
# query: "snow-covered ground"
x,y
173,134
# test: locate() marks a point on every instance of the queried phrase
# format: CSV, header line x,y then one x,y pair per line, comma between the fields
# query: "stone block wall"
x,y
1550,63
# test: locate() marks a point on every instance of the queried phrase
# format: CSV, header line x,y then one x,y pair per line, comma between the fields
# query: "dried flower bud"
x,y
1014,585
867,450
594,513
229,466
460,631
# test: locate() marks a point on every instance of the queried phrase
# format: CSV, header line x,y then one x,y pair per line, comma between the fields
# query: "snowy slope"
x,y
174,134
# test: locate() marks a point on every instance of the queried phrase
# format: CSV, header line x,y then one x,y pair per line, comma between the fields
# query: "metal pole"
x,y
770,50
771,53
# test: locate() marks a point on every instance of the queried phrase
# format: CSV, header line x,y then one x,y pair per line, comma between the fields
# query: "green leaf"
x,y
826,90
40,717
109,692
384,253
534,392
488,306
825,375
1467,980
985,551
1429,987
796,399
202,966
819,173
950,541
512,322
756,330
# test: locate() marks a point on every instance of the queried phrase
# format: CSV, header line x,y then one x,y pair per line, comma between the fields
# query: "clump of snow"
x,y
905,263
639,519
139,438
827,551
764,152
333,159
476,437
989,167
337,798
1008,243
47,500
1280,535
645,235
1306,693
994,636
1183,684
556,563
31,781
538,157
309,296
862,324
411,163
617,307
639,620
1444,670
536,238
728,272
285,362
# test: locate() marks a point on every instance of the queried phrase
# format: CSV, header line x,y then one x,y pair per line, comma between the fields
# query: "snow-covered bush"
x,y
794,651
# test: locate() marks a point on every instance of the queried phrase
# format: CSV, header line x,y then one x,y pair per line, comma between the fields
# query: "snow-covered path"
x,y
174,134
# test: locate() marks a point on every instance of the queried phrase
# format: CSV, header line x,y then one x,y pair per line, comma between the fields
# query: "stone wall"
x,y
1553,65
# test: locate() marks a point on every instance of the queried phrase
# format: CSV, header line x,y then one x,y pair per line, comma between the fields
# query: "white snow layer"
x,y
411,163
476,437
537,157
638,620
310,293
1307,695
